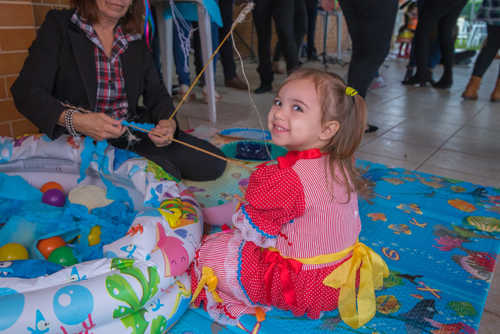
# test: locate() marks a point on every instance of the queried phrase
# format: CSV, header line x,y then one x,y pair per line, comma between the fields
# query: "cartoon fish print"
x,y
415,319
376,216
479,264
400,228
455,328
41,325
409,208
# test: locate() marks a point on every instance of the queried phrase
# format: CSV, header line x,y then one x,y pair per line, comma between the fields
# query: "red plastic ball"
x,y
51,185
47,246
54,197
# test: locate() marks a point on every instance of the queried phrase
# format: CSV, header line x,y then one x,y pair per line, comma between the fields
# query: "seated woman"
x,y
93,57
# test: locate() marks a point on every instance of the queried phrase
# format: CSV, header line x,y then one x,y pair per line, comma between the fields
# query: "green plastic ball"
x,y
63,256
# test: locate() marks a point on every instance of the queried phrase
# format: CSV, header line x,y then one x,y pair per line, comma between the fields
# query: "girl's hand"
x,y
98,126
163,133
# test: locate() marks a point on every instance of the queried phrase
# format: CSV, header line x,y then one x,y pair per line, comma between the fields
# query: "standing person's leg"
x,y
283,12
312,14
446,41
300,23
483,61
362,17
231,79
226,51
427,23
262,21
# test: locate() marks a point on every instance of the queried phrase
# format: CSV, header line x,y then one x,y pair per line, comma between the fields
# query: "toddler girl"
x,y
295,244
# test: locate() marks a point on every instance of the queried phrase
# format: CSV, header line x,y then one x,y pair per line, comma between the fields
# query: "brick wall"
x,y
18,23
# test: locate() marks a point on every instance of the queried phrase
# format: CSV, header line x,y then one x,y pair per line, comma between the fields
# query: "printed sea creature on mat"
x,y
462,205
392,280
409,277
387,304
400,228
479,264
460,232
462,309
486,224
409,208
416,223
376,216
458,189
436,182
417,318
393,180
455,328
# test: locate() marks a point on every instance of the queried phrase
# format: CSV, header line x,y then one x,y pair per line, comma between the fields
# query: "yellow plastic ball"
x,y
13,251
95,235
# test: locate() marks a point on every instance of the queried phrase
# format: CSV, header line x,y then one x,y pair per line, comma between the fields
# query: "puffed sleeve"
x,y
274,197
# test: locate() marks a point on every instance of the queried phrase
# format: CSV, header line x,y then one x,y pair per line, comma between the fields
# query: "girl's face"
x,y
295,118
112,10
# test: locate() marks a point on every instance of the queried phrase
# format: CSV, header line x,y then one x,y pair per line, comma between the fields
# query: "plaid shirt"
x,y
111,94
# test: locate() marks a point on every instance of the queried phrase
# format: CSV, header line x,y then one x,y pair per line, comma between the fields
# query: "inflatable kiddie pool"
x,y
140,284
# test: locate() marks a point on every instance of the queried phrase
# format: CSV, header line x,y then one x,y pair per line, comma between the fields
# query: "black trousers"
x,y
440,16
370,24
180,161
283,13
300,26
226,51
312,14
488,52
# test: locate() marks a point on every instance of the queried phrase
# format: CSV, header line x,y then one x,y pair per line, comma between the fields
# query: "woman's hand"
x,y
98,126
163,133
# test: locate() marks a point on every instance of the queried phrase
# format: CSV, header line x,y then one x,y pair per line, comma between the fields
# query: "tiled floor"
x,y
433,131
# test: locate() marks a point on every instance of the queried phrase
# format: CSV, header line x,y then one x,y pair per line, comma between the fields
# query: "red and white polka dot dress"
x,y
297,208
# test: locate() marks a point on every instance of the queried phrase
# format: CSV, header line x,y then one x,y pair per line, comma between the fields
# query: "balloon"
x,y
47,246
54,197
63,256
51,185
13,251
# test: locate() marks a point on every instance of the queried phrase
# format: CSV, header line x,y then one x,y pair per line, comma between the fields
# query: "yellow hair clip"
x,y
350,91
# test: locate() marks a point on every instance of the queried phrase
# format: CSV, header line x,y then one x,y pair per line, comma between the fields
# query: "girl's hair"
x,y
131,23
350,113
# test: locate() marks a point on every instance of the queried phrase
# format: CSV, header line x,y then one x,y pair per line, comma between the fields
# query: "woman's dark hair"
x,y
131,23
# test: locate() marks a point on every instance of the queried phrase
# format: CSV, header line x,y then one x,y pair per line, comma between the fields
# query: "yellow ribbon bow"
x,y
350,91
209,279
373,269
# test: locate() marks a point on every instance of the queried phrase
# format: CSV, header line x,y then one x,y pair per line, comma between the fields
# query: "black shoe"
x,y
443,83
371,128
408,75
264,89
420,80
